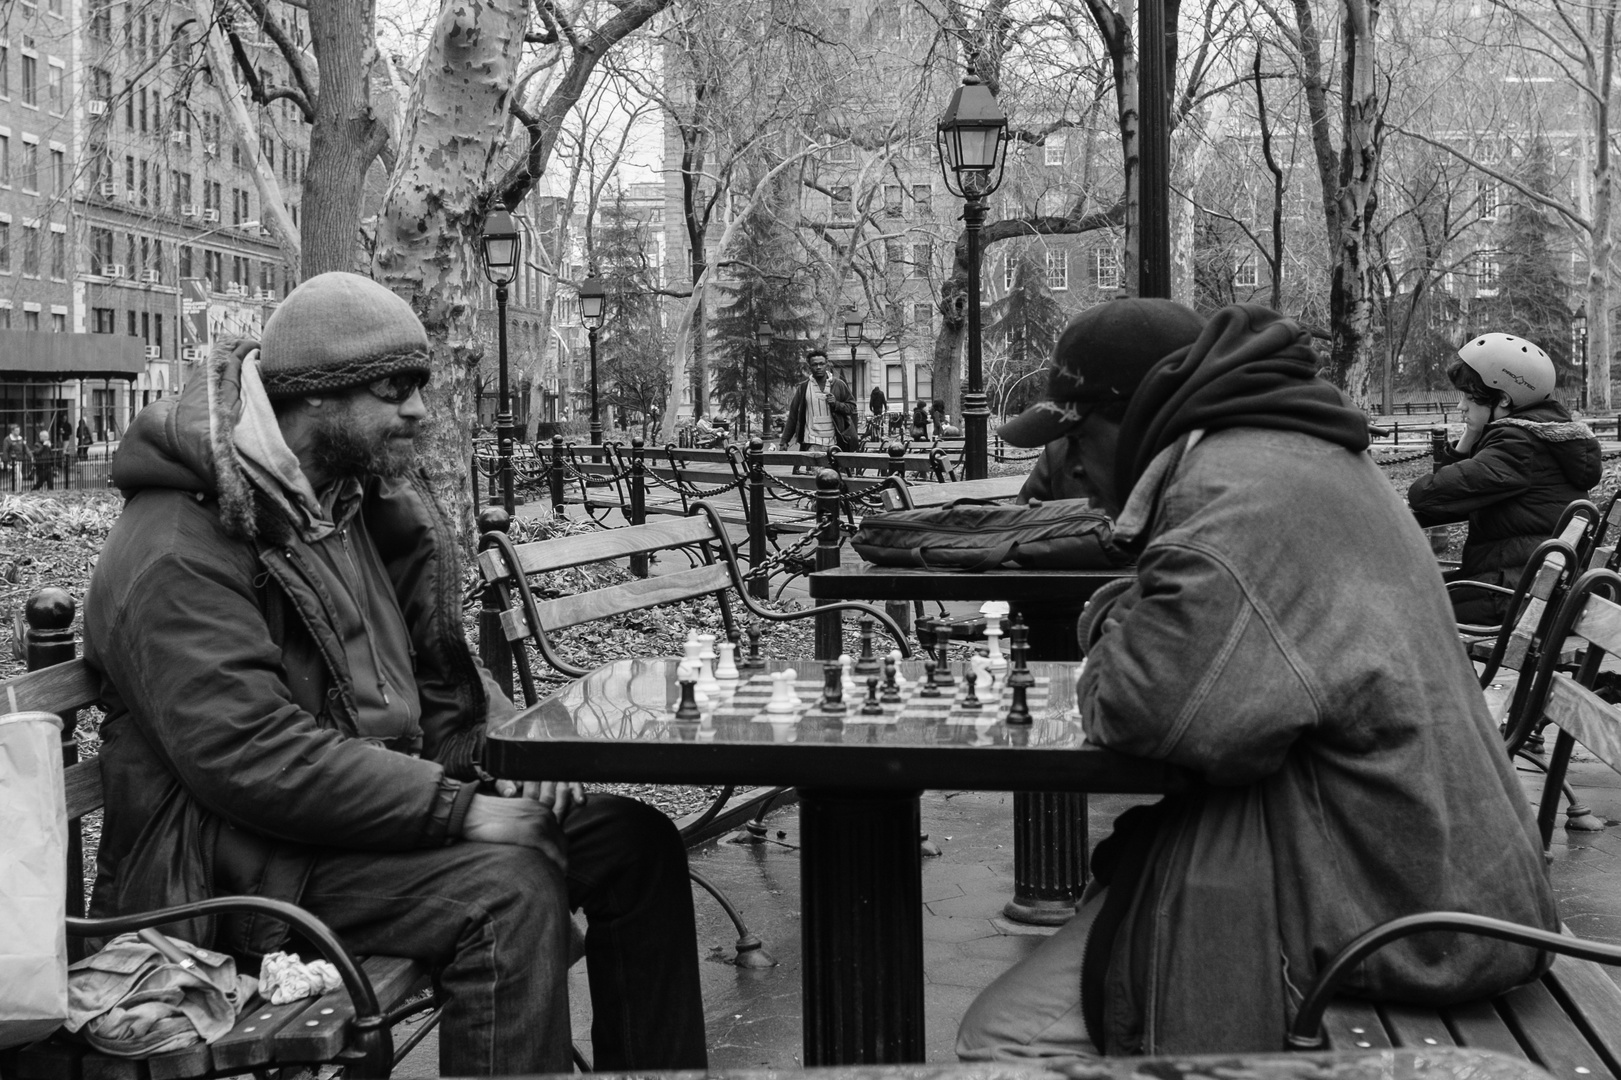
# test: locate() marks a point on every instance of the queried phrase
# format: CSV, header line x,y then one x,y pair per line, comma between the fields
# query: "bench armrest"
x,y
1306,1032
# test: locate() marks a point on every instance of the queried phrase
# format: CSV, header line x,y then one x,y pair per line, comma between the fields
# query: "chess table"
x,y
858,777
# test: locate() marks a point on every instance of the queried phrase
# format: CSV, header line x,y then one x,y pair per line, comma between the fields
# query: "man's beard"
x,y
341,449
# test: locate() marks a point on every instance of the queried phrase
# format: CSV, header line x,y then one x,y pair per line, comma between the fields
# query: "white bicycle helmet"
x,y
1511,364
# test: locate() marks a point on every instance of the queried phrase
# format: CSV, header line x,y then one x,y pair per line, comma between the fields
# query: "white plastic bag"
x,y
33,878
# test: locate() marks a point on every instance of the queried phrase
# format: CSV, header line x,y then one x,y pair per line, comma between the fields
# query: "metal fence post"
x,y
556,475
493,648
638,499
897,460
1438,535
760,585
829,624
47,641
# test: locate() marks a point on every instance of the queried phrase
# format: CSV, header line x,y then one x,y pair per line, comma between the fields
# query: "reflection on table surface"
x,y
618,724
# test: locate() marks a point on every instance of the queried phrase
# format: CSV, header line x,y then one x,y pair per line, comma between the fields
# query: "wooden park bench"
x,y
1569,1020
352,1027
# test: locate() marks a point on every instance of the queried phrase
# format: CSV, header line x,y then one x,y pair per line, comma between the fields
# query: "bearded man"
x,y
292,709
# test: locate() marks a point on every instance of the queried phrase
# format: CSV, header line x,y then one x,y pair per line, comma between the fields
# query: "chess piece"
x,y
688,709
986,677
707,683
847,673
726,662
782,691
899,680
930,687
867,664
1019,674
1018,713
942,667
993,645
753,661
892,688
832,701
969,700
872,706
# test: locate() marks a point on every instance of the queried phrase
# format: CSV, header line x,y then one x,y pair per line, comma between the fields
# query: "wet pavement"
x,y
753,1014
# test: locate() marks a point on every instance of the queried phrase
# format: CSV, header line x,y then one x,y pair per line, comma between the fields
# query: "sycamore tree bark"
x,y
344,139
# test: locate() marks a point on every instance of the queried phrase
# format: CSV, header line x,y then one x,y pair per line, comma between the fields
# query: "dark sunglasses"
x,y
397,389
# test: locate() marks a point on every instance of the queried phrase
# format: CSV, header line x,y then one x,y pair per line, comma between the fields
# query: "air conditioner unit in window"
x,y
212,149
191,354
96,107
153,352
115,270
264,296
109,189
188,210
211,215
151,277
236,288
177,137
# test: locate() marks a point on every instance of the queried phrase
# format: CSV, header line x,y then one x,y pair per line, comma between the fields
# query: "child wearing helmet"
x,y
1520,461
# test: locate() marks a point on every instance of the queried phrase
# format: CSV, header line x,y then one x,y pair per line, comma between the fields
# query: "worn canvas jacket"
x,y
231,749
840,402
1288,640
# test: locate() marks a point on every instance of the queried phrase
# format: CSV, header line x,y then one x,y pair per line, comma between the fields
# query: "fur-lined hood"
x,y
187,443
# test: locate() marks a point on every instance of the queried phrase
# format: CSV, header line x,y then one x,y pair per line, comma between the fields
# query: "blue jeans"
x,y
494,919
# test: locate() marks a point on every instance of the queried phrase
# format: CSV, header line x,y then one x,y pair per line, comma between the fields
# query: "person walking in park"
x,y
45,457
1346,770
920,422
1520,461
292,709
822,412
84,439
14,458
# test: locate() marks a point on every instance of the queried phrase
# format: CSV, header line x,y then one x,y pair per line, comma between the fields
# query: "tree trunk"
x,y
345,137
427,232
1350,307
1601,246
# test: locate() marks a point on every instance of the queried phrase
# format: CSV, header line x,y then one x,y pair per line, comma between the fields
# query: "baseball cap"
x,y
1101,357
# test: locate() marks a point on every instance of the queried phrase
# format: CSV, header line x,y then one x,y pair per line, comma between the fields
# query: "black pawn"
x,y
942,667
930,687
833,688
1018,713
866,664
688,707
970,700
892,687
753,662
872,706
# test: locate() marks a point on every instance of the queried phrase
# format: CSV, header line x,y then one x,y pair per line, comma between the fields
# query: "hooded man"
x,y
292,709
1288,642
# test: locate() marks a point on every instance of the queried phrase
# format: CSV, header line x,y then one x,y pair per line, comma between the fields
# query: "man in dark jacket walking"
x,y
292,709
822,412
1520,461
1346,768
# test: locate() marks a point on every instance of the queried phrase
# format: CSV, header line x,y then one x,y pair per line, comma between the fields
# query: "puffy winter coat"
x,y
1511,488
236,740
1288,640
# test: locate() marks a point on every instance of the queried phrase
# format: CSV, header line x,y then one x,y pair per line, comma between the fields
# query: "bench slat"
x,y
317,1033
569,611
99,1067
248,1044
1591,720
543,556
1350,1024
59,688
51,1060
1592,997
82,784
1551,1038
1415,1026
1476,1025
182,1064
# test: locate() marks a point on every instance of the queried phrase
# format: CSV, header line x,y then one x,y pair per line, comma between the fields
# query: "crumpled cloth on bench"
x,y
131,1002
283,978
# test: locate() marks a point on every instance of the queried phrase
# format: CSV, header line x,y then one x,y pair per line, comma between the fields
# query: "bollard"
x,y
48,640
829,624
759,586
897,460
493,648
638,499
556,476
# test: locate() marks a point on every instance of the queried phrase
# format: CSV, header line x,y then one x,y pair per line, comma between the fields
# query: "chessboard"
x,y
744,700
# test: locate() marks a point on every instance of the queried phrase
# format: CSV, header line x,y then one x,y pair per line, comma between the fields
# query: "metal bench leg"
x,y
750,950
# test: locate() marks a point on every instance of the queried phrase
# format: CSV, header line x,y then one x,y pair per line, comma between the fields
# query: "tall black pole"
x,y
1154,160
596,422
852,367
975,414
503,419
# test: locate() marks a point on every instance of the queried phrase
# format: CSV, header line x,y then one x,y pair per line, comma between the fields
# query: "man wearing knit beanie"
x,y
1287,643
275,618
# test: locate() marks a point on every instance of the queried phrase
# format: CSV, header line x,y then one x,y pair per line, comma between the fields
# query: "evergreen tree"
x,y
1023,325
1531,294
632,346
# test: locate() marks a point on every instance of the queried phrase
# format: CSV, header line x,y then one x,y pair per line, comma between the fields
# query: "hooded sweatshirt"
x,y
1511,487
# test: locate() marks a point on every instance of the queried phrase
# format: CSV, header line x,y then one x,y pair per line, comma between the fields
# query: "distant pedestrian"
x,y
938,414
877,403
44,464
85,439
920,422
14,458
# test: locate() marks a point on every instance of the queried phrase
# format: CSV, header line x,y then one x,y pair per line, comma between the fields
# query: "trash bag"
x,y
33,878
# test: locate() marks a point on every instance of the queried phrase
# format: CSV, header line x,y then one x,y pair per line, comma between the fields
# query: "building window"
x,y
1058,270
59,322
923,200
922,259
5,247
1486,197
1247,274
30,80
893,194
101,320
101,251
30,249
1054,150
1485,270
843,208
5,71
30,177
31,321
59,255
133,332
1106,268
1010,272
185,261
923,382
54,88
59,172
923,317
5,159
895,382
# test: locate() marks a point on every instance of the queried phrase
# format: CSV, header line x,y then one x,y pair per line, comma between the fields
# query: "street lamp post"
x,y
763,333
972,139
852,338
501,243
591,305
1578,322
180,288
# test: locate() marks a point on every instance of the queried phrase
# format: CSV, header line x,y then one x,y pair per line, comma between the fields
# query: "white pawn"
x,y
900,680
993,646
726,662
848,668
788,678
707,684
782,687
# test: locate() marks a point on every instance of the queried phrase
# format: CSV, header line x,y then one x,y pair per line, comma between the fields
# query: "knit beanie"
x,y
338,330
